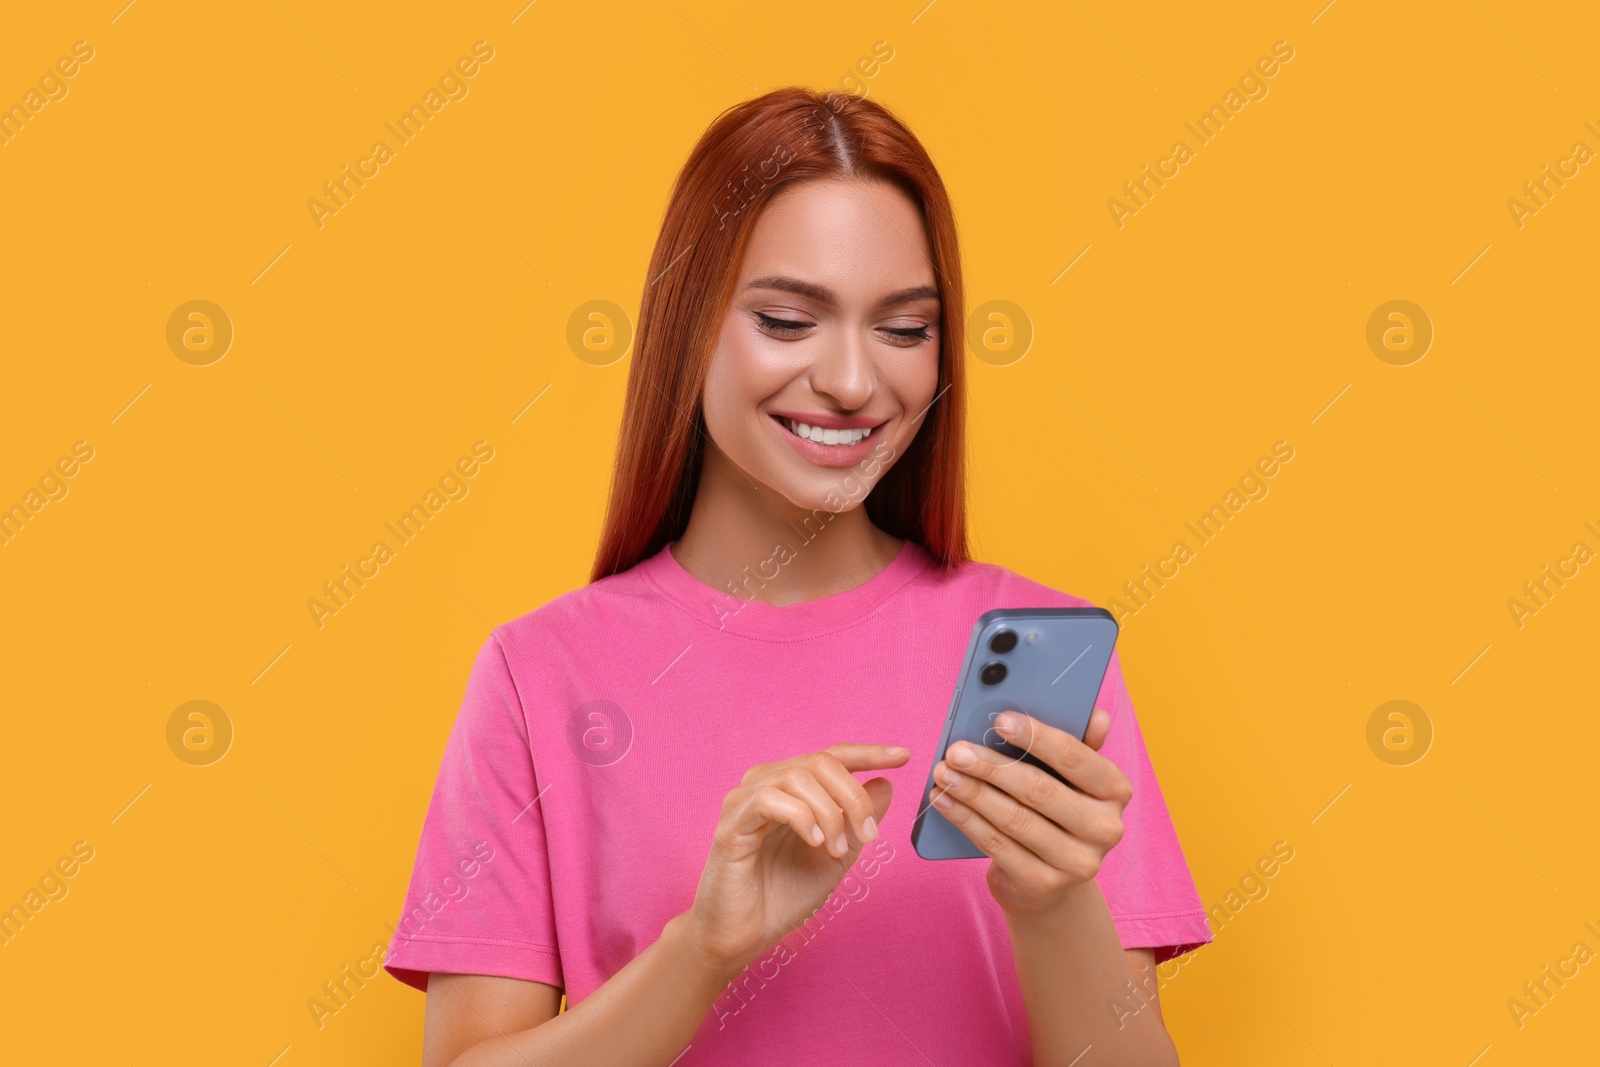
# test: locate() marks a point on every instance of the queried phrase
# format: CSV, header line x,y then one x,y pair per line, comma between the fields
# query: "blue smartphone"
x,y
1045,662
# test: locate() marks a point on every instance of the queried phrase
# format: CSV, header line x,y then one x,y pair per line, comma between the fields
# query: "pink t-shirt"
x,y
584,775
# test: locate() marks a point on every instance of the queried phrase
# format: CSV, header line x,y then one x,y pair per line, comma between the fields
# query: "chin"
x,y
827,491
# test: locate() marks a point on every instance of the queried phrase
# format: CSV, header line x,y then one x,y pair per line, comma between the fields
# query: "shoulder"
x,y
604,603
566,632
999,586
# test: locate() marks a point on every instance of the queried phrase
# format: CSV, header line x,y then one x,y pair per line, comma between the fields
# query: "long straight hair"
x,y
750,152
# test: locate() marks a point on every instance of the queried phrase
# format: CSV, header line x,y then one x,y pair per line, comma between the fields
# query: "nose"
x,y
844,372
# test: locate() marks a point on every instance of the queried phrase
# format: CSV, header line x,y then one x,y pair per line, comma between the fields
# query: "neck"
x,y
740,532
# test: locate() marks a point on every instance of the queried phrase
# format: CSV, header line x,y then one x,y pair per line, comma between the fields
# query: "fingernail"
x,y
895,752
1005,723
949,777
841,845
942,799
962,756
816,835
869,829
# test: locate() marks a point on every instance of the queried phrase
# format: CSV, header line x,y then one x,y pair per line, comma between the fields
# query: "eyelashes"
x,y
783,327
792,328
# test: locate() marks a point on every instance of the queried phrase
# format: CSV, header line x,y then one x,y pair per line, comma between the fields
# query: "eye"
x,y
909,335
782,327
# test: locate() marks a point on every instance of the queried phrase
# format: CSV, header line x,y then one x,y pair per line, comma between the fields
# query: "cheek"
x,y
915,382
738,378
720,403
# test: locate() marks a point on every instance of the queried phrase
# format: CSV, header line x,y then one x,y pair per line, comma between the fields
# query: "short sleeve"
x,y
480,898
1145,879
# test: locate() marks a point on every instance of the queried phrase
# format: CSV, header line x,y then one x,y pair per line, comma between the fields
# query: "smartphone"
x,y
1045,662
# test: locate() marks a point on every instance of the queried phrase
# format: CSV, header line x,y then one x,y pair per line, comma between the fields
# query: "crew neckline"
x,y
723,610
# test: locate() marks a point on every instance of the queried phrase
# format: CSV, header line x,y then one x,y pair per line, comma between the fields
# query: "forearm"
x,y
1072,970
643,1016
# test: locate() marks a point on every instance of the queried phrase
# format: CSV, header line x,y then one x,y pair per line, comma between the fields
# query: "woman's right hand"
x,y
786,836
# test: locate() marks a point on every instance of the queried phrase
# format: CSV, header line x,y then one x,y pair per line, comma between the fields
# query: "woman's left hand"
x,y
1044,838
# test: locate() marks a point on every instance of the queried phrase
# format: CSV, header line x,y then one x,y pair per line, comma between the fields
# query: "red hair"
x,y
749,152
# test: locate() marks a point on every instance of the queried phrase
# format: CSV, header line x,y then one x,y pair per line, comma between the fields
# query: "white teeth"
x,y
827,437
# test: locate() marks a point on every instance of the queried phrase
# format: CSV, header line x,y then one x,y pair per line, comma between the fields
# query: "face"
x,y
828,357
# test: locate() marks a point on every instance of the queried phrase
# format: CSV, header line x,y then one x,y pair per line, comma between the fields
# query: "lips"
x,y
826,435
832,445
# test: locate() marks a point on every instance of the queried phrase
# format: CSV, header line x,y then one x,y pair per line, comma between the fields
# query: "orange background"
x,y
368,354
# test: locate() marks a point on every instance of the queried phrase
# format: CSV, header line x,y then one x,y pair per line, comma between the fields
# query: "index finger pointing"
x,y
868,757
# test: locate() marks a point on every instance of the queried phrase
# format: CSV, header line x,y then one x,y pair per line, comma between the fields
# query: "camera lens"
x,y
994,673
1003,642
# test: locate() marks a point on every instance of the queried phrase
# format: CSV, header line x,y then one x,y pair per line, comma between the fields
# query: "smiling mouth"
x,y
826,436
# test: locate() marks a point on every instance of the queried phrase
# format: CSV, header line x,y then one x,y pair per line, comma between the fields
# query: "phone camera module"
x,y
1003,642
994,673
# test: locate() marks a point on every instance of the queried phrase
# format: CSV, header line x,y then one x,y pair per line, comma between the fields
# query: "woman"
x,y
649,799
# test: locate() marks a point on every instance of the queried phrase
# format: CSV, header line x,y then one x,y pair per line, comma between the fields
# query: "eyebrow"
x,y
822,294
